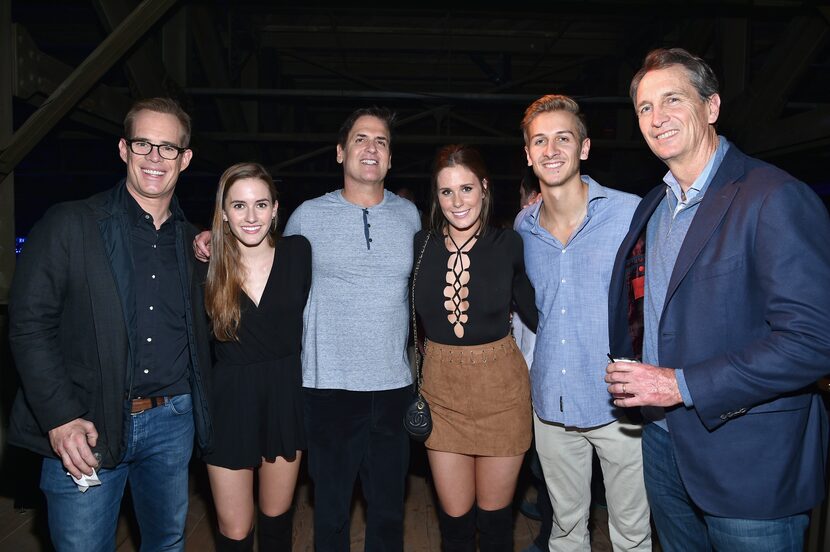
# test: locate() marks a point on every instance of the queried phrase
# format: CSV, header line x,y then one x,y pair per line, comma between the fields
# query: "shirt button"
x,y
563,370
151,307
154,277
147,217
563,280
370,239
563,342
154,246
146,371
149,340
563,310
563,251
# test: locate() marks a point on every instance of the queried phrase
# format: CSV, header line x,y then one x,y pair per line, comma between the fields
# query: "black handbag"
x,y
418,420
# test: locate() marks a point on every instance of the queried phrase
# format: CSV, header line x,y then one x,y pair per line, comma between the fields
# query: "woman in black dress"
x,y
256,290
475,378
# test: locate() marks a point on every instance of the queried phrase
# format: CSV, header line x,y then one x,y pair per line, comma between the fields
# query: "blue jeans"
x,y
683,527
351,433
159,446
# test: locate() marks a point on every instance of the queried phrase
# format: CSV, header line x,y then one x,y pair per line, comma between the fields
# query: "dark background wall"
x,y
273,83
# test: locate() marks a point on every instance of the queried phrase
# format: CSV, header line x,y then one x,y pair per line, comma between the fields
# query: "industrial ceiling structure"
x,y
273,81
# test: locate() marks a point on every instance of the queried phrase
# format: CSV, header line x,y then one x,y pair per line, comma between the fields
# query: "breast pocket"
x,y
721,267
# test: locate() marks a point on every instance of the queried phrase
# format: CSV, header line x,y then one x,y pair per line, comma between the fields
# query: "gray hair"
x,y
700,74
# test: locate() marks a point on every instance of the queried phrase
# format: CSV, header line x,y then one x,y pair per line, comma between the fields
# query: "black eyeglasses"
x,y
143,147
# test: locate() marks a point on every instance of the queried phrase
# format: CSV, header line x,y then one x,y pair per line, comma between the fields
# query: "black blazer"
x,y
71,325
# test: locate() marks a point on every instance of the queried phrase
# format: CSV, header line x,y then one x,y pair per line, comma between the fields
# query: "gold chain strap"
x,y
419,380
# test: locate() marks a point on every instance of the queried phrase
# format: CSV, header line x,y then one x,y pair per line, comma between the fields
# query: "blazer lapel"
x,y
711,211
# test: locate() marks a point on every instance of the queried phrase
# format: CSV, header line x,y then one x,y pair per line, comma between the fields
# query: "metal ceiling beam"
x,y
808,130
80,82
696,34
212,55
447,32
437,70
174,45
146,75
306,94
38,75
475,124
767,95
249,78
540,75
395,38
343,74
735,39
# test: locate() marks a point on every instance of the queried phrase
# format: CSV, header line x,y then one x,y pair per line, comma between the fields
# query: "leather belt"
x,y
146,403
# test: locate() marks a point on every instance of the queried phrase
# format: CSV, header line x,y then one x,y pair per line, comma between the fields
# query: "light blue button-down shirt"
x,y
571,283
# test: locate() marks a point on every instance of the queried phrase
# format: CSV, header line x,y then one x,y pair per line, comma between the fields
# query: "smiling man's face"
x,y
151,177
674,119
366,157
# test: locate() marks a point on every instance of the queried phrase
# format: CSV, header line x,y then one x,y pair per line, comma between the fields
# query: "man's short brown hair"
x,y
551,103
159,105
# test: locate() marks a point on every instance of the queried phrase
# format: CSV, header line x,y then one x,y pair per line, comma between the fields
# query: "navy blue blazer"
x,y
747,318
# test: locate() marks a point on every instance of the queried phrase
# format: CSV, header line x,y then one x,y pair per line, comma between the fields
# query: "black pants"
x,y
351,433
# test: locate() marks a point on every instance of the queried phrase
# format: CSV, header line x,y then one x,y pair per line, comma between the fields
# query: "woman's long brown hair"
x,y
225,278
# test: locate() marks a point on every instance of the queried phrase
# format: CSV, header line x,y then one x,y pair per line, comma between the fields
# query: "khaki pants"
x,y
566,458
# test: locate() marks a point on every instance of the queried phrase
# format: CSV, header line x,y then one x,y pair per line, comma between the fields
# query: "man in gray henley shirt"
x,y
356,375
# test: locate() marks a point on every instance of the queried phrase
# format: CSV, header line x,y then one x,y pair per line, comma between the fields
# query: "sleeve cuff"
x,y
683,388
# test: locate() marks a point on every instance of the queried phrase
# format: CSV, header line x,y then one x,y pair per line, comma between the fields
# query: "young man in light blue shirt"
x,y
571,238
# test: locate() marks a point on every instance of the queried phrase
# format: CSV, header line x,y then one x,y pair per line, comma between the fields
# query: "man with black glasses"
x,y
109,338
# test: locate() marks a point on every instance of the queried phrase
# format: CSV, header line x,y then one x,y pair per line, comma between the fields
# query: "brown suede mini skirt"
x,y
479,396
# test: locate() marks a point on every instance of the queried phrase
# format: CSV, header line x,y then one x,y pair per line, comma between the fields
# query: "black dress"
x,y
256,391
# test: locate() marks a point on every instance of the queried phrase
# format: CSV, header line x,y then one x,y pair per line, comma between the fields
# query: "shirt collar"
x,y
595,192
135,214
701,183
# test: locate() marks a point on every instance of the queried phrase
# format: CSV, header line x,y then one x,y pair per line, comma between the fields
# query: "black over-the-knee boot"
x,y
275,532
495,529
225,544
458,534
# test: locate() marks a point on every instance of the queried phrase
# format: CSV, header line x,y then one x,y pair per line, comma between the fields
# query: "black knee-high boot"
x,y
458,534
275,532
225,544
495,529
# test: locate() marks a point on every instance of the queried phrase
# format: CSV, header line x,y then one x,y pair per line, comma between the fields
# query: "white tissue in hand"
x,y
86,481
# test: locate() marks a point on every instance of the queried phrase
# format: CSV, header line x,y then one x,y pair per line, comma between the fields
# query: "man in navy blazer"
x,y
720,292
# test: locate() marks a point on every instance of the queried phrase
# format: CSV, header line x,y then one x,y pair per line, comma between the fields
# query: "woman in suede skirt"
x,y
467,276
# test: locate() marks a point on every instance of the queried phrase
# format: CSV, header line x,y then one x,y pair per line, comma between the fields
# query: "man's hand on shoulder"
x,y
201,246
638,384
72,442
